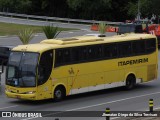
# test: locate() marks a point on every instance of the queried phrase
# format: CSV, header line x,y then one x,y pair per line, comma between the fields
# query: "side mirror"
x,y
1,70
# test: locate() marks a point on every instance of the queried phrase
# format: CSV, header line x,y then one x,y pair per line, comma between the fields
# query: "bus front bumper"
x,y
21,96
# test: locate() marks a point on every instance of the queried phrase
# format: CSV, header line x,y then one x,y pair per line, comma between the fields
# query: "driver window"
x,y
45,67
11,72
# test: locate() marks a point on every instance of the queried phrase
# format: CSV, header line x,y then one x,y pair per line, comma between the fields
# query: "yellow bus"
x,y
56,68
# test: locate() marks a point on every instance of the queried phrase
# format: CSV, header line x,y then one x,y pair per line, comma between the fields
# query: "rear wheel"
x,y
59,93
130,82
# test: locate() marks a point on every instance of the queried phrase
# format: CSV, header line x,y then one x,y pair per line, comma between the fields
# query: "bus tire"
x,y
130,82
59,93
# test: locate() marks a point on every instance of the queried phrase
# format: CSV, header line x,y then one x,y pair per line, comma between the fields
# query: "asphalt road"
x,y
14,40
116,99
41,23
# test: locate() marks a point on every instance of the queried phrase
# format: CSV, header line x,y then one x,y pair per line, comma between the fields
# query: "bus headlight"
x,y
30,92
8,90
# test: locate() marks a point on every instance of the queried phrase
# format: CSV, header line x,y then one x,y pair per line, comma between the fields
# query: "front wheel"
x,y
59,94
130,82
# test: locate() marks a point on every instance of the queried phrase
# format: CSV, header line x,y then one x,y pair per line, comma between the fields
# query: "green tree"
x,y
147,8
90,9
18,6
112,10
119,9
109,10
132,9
154,6
56,8
102,29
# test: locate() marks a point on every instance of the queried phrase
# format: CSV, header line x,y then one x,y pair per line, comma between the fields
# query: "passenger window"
x,y
138,47
99,51
110,50
94,52
150,45
59,57
66,56
63,56
75,55
83,53
124,49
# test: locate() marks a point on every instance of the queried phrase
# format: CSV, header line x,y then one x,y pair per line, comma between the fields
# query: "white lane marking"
x,y
98,105
8,107
8,36
153,109
114,118
113,101
88,30
157,108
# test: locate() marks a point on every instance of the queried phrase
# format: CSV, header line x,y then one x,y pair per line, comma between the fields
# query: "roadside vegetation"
x,y
102,29
51,31
26,35
13,29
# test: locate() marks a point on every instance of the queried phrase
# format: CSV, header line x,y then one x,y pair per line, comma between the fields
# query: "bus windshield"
x,y
21,70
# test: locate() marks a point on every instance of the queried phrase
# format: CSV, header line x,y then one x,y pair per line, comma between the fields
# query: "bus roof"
x,y
79,41
95,39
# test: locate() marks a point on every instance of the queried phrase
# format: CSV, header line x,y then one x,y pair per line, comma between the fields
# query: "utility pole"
x,y
139,13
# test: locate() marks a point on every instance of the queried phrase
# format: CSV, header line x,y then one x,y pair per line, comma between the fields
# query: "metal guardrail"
x,y
46,18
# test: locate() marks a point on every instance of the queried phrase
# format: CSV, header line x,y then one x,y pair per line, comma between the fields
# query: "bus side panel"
x,y
151,69
79,84
116,76
45,90
61,76
90,77
146,73
141,73
96,82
